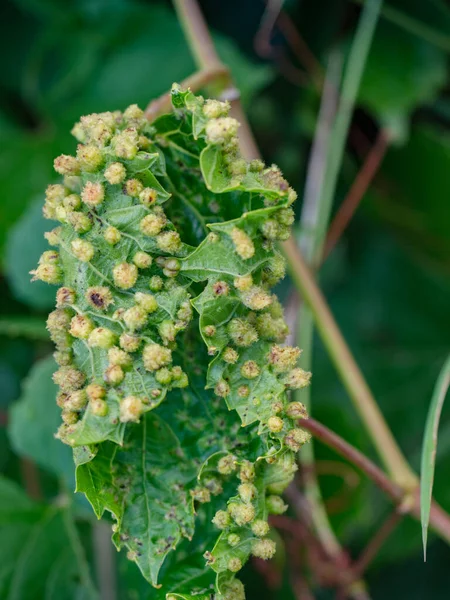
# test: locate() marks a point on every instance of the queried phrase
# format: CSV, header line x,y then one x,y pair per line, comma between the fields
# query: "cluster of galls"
x,y
129,335
244,521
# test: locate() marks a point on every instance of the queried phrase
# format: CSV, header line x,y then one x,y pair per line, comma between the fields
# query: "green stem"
x,y
350,86
348,370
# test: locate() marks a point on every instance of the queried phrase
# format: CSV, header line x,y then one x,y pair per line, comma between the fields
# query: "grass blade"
x,y
429,449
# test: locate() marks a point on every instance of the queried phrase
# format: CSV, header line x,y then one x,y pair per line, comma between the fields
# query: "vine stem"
x,y
404,479
407,502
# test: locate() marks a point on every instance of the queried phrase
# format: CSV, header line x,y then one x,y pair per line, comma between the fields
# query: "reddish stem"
x,y
357,191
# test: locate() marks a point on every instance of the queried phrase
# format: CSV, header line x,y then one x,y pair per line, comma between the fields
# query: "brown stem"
x,y
376,543
30,477
357,191
408,502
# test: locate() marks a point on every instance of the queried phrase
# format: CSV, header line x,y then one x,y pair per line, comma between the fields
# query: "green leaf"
x,y
402,72
38,541
32,435
32,328
429,446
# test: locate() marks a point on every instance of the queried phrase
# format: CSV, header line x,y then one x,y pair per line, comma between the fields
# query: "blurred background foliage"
x,y
387,280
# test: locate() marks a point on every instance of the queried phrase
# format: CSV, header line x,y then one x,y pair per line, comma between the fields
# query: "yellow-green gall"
x,y
102,337
230,356
89,157
116,356
233,540
247,471
242,332
241,513
72,202
215,108
155,356
142,260
264,549
201,494
156,283
133,114
63,358
147,301
297,378
275,424
295,438
69,379
81,326
53,237
222,519
55,192
209,330
221,130
275,505
126,143
237,167
79,221
169,241
129,342
220,288
270,229
112,235
131,409
296,410
82,249
148,196
171,267
76,400
285,216
135,317
243,391
247,492
222,389
66,165
167,331
270,328
115,173
58,320
260,527
114,375
234,564
48,273
125,275
95,391
93,193
283,358
243,243
99,297
256,298
250,369
152,224
133,187
227,464
69,417
244,283
98,407
163,376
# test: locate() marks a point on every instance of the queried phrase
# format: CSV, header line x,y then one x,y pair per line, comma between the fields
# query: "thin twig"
x,y
409,502
357,191
376,543
31,479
